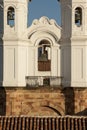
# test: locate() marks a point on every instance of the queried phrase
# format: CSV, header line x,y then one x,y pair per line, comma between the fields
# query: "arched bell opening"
x,y
44,56
78,16
11,16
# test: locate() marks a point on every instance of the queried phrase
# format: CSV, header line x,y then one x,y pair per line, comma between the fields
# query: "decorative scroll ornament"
x,y
45,21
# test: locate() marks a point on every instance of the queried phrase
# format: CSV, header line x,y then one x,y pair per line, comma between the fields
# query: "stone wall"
x,y
44,101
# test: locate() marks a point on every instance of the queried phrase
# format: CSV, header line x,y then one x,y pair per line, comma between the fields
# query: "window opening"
x,y
46,81
44,59
78,16
11,16
44,51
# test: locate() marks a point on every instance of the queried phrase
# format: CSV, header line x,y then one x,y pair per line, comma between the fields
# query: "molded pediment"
x,y
44,27
45,21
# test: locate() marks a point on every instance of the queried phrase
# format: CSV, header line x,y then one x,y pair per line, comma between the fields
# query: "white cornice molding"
x,y
45,21
79,38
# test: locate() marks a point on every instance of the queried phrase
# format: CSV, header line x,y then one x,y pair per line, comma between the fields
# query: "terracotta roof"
x,y
43,123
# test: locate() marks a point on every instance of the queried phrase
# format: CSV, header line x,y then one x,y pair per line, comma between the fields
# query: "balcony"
x,y
36,81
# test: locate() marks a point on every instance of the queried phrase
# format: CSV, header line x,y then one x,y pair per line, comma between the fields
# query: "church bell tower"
x,y
74,42
15,23
15,17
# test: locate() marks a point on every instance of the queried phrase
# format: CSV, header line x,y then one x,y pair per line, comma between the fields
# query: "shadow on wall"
x,y
69,101
82,113
2,101
56,111
2,89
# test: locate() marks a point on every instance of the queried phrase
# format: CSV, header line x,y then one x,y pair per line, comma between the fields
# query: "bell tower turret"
x,y
74,42
15,17
14,46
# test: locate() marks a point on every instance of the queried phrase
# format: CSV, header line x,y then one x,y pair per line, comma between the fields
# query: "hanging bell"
x,y
11,15
77,16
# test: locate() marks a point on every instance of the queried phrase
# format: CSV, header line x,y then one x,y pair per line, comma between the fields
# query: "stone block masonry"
x,y
43,101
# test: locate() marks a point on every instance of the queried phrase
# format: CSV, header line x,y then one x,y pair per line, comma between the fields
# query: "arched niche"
x,y
44,56
78,16
11,16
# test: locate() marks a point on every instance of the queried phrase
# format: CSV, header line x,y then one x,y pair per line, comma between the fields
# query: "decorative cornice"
x,y
45,21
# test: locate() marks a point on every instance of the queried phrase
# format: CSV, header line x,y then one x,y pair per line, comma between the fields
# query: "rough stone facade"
x,y
44,101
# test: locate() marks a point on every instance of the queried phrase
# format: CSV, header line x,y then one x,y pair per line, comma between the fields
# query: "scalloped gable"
x,y
44,24
45,21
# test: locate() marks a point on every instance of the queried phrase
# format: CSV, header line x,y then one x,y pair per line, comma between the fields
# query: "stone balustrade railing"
x,y
43,81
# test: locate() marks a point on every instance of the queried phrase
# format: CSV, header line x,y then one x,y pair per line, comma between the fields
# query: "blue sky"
x,y
49,8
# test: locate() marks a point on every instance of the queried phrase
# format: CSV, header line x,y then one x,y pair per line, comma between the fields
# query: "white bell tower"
x,y
14,47
15,17
74,42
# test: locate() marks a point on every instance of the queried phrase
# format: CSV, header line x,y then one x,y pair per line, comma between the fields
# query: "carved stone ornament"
x,y
44,20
